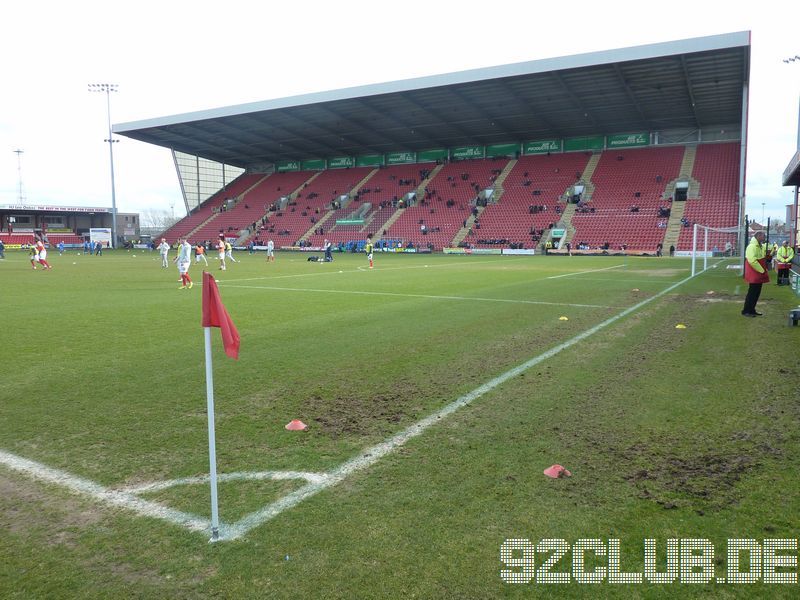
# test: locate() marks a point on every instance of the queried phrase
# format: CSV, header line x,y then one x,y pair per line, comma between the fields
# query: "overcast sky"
x,y
175,56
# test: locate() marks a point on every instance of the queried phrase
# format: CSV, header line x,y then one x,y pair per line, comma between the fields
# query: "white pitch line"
x,y
362,269
372,455
582,272
245,476
98,492
427,296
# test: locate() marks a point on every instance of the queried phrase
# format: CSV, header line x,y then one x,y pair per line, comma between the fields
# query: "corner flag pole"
x,y
212,444
215,315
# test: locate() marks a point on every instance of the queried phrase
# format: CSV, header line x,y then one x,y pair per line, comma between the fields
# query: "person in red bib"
x,y
755,273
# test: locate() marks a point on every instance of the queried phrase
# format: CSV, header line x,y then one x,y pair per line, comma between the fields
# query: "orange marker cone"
x,y
556,472
296,425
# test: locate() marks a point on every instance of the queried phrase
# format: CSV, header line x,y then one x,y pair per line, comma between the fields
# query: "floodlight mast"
x,y
107,88
19,153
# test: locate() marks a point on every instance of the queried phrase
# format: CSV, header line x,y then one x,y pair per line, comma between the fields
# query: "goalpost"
x,y
722,242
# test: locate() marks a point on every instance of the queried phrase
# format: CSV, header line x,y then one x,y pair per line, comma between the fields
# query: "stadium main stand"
x,y
629,190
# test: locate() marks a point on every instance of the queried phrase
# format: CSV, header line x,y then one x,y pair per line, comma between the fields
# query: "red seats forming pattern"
x,y
52,238
206,210
619,175
511,218
286,227
459,182
716,167
385,187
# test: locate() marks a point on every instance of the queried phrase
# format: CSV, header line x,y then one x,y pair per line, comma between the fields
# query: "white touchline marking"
x,y
363,269
582,272
98,492
429,296
372,455
245,476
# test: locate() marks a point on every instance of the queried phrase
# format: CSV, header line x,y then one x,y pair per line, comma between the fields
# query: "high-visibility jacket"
x,y
785,254
755,264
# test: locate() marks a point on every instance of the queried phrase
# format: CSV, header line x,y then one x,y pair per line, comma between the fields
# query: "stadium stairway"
x,y
566,223
586,176
498,183
462,233
674,225
385,227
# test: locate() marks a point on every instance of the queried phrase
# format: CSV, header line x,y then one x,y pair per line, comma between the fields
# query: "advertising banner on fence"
x,y
629,140
102,235
526,251
541,147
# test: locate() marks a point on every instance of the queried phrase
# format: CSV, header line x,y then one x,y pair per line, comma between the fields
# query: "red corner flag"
x,y
215,315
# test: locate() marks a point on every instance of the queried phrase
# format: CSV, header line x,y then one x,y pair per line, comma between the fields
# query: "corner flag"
x,y
215,315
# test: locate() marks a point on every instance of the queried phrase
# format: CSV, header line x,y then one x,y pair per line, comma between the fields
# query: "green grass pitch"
x,y
668,433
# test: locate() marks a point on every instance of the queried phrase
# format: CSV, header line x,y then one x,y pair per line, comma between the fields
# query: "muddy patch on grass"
x,y
361,414
699,477
27,507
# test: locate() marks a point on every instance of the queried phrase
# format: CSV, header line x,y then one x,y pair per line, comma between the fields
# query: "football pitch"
x,y
436,390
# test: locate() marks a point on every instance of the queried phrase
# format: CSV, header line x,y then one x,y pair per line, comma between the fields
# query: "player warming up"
x,y
229,251
184,259
221,252
41,251
163,250
368,249
200,253
270,251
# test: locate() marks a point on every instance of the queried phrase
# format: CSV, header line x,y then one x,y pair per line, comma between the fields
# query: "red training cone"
x,y
296,425
557,471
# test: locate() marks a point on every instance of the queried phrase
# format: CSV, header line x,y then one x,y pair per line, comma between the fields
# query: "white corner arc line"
x,y
582,272
372,455
107,496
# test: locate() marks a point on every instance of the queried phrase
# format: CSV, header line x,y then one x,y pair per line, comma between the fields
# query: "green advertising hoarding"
x,y
628,140
594,142
432,155
502,150
370,160
400,158
314,164
541,147
468,152
288,165
341,162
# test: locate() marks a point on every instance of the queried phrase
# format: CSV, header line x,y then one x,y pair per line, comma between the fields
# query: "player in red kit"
x,y
42,252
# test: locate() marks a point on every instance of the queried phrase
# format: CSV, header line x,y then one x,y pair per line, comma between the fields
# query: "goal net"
x,y
713,245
